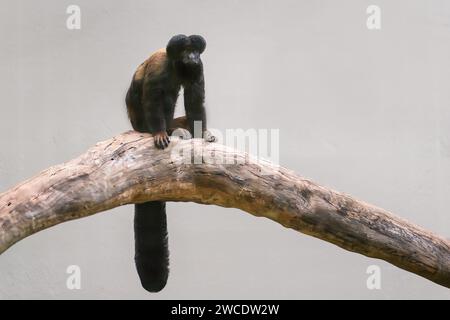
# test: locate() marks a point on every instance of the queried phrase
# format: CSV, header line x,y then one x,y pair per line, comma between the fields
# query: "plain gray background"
x,y
364,112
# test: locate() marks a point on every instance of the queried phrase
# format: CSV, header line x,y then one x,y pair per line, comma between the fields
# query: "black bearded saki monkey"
x,y
151,101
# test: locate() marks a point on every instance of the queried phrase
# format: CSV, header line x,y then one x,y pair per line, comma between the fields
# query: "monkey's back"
x,y
148,71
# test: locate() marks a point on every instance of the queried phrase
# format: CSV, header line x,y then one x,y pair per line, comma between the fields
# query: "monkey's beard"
x,y
188,72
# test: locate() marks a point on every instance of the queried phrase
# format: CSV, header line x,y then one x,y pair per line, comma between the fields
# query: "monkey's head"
x,y
185,52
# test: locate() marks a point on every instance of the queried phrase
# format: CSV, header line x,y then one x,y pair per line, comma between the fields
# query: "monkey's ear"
x,y
176,44
198,42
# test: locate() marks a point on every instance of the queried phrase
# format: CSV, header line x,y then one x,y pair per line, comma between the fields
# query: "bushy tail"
x,y
151,244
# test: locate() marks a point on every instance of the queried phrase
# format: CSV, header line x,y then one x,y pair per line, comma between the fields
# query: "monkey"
x,y
150,101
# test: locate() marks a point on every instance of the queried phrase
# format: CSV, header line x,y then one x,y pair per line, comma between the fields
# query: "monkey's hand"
x,y
161,139
208,136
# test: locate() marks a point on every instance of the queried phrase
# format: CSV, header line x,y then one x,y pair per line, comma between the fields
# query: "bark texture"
x,y
128,169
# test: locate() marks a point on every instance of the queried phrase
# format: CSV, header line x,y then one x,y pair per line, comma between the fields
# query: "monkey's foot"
x,y
182,134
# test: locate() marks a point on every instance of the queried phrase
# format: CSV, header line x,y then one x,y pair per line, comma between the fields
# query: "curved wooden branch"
x,y
128,169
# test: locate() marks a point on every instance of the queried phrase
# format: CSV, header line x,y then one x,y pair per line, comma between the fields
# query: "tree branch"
x,y
128,169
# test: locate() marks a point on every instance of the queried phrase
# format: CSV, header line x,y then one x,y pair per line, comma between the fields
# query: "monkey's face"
x,y
190,57
184,52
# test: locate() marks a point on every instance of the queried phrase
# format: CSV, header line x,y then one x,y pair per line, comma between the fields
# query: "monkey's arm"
x,y
153,108
194,97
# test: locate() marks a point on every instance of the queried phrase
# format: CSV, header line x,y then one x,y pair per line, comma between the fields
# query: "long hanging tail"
x,y
151,244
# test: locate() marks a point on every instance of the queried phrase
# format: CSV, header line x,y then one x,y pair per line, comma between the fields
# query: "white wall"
x,y
365,112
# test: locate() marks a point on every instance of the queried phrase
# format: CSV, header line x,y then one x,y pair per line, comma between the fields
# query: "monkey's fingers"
x,y
209,137
158,142
166,141
161,140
